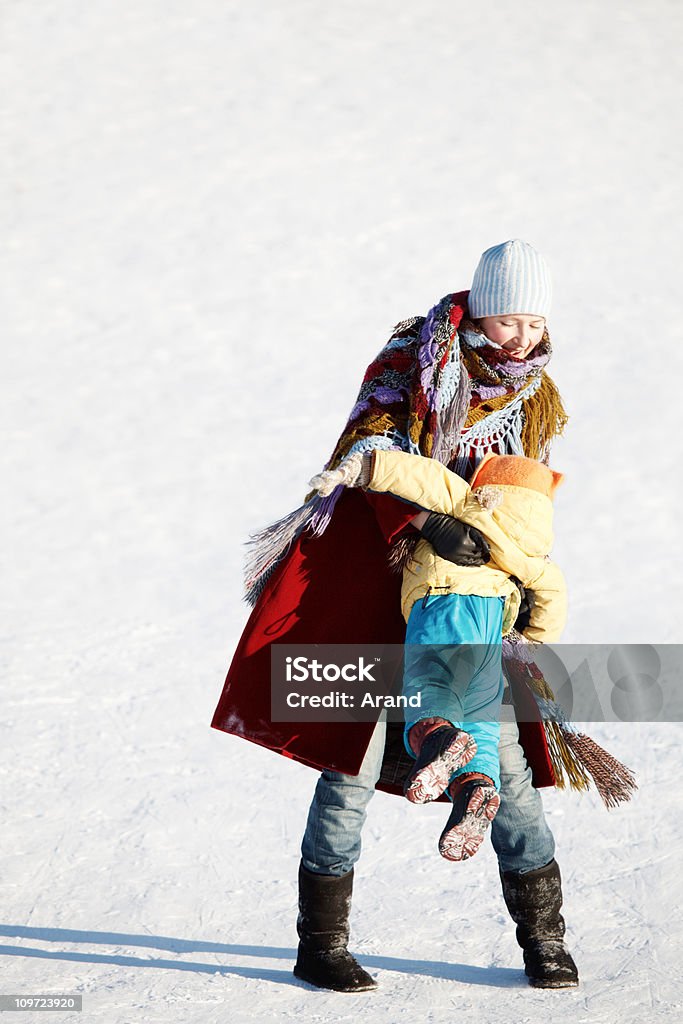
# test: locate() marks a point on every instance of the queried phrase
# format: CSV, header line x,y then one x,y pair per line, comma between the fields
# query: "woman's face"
x,y
517,334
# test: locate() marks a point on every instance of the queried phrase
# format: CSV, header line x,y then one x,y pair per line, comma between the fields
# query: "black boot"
x,y
323,926
534,900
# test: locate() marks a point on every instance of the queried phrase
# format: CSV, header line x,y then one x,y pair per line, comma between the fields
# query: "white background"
x,y
212,215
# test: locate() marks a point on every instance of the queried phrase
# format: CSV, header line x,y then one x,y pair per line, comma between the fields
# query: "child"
x,y
455,738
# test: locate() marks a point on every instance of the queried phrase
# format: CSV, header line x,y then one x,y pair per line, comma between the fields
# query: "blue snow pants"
x,y
463,684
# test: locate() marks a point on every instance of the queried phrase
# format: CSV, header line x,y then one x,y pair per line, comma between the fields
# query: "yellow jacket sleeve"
x,y
549,613
422,481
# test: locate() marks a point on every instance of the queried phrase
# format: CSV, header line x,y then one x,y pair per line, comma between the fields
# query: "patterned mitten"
x,y
351,472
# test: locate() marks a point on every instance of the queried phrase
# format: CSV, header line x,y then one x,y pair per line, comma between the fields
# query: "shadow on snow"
x,y
496,977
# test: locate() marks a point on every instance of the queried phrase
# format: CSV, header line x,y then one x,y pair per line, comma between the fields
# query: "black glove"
x,y
455,541
525,608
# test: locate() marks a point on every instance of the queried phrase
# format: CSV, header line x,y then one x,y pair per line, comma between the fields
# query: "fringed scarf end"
x,y
401,552
576,759
266,547
613,780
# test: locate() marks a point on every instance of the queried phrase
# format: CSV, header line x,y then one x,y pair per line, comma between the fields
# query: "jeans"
x,y
519,832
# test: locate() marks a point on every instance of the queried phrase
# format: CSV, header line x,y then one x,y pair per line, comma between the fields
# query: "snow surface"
x,y
212,214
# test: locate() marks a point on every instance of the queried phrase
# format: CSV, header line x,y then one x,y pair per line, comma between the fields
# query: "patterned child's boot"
x,y
440,749
475,804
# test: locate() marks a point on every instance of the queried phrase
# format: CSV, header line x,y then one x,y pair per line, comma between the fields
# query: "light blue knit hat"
x,y
510,278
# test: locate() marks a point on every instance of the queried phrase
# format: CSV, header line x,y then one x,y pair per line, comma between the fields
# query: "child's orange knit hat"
x,y
516,471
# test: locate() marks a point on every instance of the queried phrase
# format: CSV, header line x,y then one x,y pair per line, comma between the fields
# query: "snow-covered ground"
x,y
212,214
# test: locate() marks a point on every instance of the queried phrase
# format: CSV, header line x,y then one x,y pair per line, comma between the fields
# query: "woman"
x,y
467,379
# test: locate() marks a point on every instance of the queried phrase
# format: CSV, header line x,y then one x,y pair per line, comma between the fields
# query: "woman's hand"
x,y
455,541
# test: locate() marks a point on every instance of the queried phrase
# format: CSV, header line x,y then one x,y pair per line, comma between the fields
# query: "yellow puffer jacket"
x,y
519,531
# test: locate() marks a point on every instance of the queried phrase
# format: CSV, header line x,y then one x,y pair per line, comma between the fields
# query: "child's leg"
x,y
447,666
453,660
484,695
428,677
486,760
427,674
474,789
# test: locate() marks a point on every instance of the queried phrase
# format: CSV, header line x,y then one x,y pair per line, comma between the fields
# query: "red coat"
x,y
336,588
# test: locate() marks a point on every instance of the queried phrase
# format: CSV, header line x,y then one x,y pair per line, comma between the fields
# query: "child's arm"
x,y
455,540
549,613
427,484
423,482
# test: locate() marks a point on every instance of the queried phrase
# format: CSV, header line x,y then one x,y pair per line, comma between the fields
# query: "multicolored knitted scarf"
x,y
438,388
